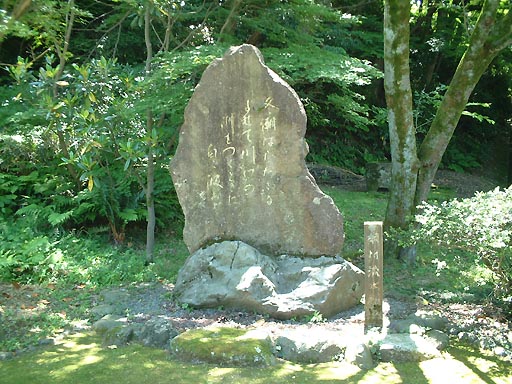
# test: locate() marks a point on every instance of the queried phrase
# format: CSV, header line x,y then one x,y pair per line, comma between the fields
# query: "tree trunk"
x,y
412,172
400,113
229,24
150,202
488,39
62,52
150,171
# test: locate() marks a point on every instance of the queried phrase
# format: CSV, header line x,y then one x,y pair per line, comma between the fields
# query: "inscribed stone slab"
x,y
239,169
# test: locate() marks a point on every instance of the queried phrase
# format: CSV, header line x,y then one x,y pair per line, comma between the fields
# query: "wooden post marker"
x,y
373,255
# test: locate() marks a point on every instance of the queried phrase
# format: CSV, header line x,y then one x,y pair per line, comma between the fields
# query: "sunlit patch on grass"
x,y
81,360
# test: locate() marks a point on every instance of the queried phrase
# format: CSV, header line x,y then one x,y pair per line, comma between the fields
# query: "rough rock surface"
x,y
239,169
311,346
227,345
115,330
156,332
407,347
360,354
234,274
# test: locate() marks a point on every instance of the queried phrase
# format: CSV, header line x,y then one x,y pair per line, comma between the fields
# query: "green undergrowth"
x,y
30,256
80,359
356,208
49,283
438,276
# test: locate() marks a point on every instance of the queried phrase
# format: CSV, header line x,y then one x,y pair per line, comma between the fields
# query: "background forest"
x,y
93,94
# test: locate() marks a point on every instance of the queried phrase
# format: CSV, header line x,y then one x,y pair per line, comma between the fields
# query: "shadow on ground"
x,y
80,359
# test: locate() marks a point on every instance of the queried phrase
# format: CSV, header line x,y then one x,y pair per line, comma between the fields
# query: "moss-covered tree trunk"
x,y
402,134
413,172
489,37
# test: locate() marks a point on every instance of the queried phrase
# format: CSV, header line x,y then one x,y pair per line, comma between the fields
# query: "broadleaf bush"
x,y
480,226
29,255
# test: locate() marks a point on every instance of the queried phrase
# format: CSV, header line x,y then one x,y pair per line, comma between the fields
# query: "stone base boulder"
x,y
234,274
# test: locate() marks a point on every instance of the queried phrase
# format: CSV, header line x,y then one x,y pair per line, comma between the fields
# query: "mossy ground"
x,y
80,359
221,345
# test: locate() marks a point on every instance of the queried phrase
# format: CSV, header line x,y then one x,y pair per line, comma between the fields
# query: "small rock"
x,y
309,346
500,351
406,347
80,325
406,326
467,337
359,354
108,322
157,332
120,336
114,329
47,341
223,346
6,355
430,320
103,309
440,339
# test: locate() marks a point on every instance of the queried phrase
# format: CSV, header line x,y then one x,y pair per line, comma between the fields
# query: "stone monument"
x,y
240,171
262,235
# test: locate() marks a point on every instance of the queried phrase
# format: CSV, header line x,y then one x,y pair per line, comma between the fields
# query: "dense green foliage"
x,y
75,145
480,226
79,122
29,255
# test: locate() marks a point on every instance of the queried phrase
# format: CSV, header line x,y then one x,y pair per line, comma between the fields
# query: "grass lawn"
x,y
80,359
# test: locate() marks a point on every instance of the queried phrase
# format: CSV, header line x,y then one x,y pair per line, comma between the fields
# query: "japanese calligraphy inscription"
x,y
373,254
239,170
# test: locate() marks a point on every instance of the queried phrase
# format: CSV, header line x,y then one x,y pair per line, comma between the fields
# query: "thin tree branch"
x,y
118,25
194,31
156,34
19,10
502,33
236,4
168,32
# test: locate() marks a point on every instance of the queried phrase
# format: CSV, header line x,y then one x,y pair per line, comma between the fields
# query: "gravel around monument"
x,y
478,325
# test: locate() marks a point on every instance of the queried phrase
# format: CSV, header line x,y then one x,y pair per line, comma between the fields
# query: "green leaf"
x,y
56,218
129,215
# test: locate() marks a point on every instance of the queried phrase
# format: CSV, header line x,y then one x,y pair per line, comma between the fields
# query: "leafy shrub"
x,y
481,226
29,254
98,116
